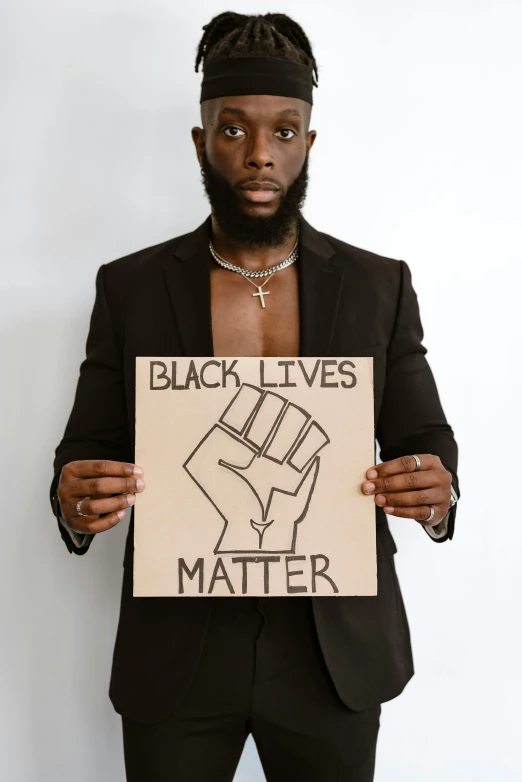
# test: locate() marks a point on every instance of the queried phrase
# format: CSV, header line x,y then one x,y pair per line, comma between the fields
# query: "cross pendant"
x,y
261,293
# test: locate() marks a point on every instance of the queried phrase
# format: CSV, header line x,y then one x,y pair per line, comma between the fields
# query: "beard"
x,y
263,231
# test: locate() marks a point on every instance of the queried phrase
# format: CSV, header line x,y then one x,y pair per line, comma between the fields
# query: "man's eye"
x,y
233,127
287,130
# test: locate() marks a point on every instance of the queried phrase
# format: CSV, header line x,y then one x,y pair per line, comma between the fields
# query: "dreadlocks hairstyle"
x,y
231,35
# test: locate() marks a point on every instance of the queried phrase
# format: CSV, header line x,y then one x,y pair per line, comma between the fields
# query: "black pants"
x,y
261,672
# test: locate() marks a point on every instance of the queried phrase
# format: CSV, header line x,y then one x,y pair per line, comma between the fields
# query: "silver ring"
x,y
432,514
417,461
78,506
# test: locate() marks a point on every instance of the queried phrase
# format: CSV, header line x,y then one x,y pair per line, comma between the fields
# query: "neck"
x,y
250,257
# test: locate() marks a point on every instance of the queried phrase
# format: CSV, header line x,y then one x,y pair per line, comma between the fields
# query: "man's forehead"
x,y
245,106
240,112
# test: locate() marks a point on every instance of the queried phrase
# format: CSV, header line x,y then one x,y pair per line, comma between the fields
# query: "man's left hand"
x,y
403,491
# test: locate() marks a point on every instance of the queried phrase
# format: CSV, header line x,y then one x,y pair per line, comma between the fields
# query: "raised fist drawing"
x,y
258,466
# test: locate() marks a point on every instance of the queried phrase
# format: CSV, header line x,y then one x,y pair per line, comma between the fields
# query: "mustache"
x,y
254,230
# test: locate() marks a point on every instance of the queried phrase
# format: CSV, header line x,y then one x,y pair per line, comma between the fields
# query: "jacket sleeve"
x,y
98,425
78,539
411,418
439,531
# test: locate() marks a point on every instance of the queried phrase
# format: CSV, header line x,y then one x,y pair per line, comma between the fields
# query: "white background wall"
x,y
417,157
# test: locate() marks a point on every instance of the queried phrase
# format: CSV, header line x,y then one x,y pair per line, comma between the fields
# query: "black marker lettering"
x,y
347,372
192,376
162,374
219,567
205,365
266,575
294,590
174,373
286,365
198,568
262,382
230,372
244,565
244,562
325,374
321,572
309,380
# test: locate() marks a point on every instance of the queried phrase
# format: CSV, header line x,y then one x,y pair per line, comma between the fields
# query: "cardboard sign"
x,y
253,470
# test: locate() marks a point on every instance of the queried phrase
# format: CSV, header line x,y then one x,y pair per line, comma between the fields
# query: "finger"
x,y
423,479
420,513
402,464
96,506
404,499
92,468
93,524
83,487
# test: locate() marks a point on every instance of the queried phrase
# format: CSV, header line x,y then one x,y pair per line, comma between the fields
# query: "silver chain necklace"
x,y
262,273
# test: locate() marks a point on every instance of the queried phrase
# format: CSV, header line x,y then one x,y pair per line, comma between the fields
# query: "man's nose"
x,y
259,154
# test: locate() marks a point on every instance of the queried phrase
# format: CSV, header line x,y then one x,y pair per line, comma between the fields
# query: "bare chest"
x,y
241,326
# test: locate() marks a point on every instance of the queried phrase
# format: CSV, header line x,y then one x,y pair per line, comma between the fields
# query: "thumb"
x,y
293,506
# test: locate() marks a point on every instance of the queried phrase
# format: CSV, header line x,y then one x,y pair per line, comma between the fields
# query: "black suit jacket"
x,y
352,303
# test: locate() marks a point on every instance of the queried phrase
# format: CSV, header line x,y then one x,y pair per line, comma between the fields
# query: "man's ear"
x,y
310,138
198,137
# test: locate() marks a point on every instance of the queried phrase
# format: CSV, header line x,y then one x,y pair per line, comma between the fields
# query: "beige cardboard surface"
x,y
253,468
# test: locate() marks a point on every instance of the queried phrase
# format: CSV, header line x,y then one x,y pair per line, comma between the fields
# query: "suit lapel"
x,y
320,284
187,276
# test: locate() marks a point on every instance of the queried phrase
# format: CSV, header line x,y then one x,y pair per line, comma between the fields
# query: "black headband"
x,y
257,76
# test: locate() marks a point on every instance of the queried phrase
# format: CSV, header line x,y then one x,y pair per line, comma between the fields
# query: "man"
x,y
193,677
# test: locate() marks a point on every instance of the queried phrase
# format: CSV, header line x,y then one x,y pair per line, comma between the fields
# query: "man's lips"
x,y
260,191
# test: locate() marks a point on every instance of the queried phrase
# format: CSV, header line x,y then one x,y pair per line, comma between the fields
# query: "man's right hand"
x,y
109,486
